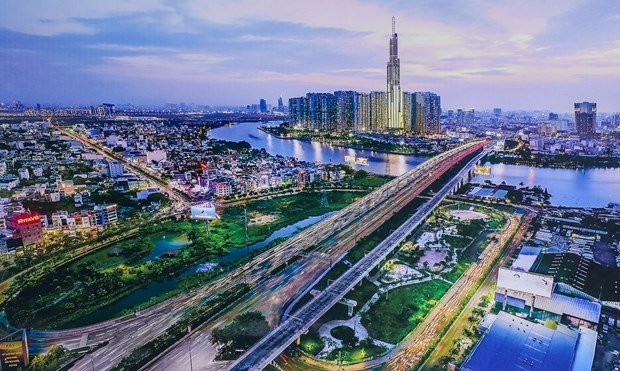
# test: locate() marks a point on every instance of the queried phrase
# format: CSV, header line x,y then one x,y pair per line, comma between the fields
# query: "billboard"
x,y
205,211
14,353
537,284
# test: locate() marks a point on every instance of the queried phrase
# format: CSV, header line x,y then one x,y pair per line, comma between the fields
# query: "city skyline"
x,y
480,54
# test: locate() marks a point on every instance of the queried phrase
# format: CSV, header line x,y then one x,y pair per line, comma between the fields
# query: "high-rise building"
x,y
262,105
425,113
497,111
345,110
361,118
298,112
394,92
280,104
378,110
585,118
408,118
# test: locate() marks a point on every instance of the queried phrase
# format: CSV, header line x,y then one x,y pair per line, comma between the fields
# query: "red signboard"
x,y
25,219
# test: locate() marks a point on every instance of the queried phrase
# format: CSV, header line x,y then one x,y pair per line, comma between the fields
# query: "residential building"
x,y
115,169
585,118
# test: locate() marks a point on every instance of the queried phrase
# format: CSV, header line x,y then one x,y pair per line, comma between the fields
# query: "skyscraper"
x,y
262,105
280,104
395,96
425,113
585,118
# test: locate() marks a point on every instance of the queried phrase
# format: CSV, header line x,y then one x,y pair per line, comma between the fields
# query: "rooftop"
x,y
513,343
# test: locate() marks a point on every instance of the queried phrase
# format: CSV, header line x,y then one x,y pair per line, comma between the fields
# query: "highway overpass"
x,y
268,348
330,239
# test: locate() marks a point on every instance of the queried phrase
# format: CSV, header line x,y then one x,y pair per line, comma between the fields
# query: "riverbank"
x,y
376,146
553,161
572,187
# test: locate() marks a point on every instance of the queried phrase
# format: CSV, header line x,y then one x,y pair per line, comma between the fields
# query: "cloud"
x,y
176,66
50,18
132,48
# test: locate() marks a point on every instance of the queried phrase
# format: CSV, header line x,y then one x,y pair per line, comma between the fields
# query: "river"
x,y
593,187
378,162
568,187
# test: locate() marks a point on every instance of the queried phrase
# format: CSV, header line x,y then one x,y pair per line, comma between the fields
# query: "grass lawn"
x,y
370,181
457,242
357,353
393,317
462,264
290,209
361,294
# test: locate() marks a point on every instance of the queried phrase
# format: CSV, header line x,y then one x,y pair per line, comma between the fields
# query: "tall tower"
x,y
585,118
395,95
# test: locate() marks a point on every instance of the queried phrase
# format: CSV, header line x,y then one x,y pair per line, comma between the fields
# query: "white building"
x,y
115,169
23,173
157,155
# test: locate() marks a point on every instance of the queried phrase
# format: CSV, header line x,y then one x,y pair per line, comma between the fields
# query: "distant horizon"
x,y
210,105
475,53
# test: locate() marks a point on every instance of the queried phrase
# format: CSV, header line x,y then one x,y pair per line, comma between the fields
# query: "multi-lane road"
x,y
314,251
266,350
330,241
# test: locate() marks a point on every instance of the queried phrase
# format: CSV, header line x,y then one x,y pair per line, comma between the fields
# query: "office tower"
x,y
585,118
262,106
395,114
280,104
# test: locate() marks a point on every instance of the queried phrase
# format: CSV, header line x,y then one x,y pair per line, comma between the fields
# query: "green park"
x,y
162,251
398,295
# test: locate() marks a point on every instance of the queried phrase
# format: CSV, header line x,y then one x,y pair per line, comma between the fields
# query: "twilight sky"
x,y
474,53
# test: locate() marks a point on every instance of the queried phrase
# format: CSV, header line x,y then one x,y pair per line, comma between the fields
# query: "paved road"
x,y
261,354
461,323
329,240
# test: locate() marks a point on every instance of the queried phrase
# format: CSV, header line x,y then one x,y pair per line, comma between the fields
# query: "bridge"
x,y
270,346
330,239
291,268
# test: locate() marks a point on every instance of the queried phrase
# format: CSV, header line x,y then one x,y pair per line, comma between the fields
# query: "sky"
x,y
526,54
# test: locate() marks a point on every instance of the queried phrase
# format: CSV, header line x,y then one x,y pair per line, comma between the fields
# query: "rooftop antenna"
x,y
393,25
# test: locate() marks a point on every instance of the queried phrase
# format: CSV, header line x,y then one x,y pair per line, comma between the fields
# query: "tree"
x,y
243,332
44,361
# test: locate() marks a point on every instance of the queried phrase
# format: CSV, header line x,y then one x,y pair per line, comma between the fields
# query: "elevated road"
x,y
311,253
268,348
313,250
